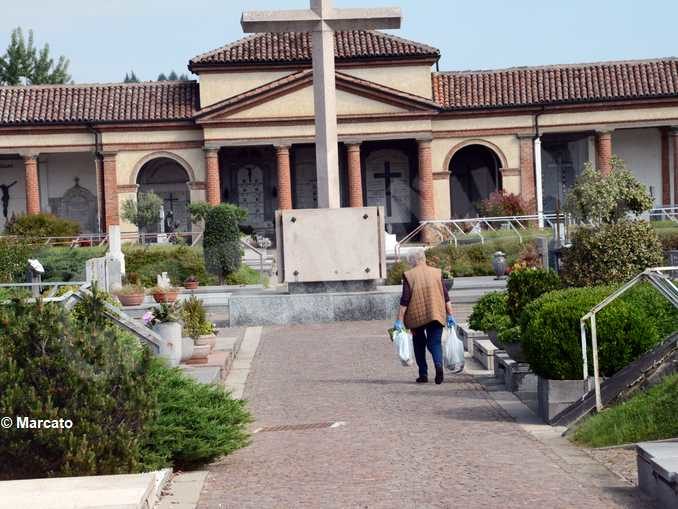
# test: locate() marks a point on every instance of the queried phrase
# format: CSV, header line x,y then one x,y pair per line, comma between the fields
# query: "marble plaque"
x,y
251,193
77,204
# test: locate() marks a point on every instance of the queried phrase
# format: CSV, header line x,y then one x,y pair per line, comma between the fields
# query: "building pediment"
x,y
292,97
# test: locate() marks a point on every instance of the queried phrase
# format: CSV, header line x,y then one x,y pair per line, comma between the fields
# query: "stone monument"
x,y
328,248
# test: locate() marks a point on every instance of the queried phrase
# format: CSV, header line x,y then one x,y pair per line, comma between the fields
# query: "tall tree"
x,y
131,78
23,63
162,77
173,76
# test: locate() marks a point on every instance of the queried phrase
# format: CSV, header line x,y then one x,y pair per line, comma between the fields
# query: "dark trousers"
x,y
429,336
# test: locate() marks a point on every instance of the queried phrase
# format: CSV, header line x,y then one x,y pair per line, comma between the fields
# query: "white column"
x,y
537,179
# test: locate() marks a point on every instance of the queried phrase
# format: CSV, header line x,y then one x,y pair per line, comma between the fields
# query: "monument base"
x,y
361,285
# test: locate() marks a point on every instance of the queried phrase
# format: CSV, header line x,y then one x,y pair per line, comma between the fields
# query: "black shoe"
x,y
439,375
422,380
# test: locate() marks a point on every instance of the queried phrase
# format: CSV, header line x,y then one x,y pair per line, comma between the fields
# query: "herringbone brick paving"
x,y
403,446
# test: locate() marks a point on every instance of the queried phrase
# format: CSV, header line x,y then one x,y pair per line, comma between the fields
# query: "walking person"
x,y
425,309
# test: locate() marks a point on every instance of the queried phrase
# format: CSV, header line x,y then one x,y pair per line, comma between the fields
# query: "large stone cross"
x,y
322,20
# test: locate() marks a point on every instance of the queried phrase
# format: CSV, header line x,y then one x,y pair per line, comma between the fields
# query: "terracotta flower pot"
x,y
191,285
164,297
131,299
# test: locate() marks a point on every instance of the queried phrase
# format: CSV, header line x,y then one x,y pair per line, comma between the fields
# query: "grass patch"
x,y
245,275
651,415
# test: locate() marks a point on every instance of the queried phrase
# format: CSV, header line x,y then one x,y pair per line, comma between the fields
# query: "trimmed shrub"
x,y
221,242
42,225
500,203
525,285
67,263
196,422
490,313
178,261
611,253
142,212
13,260
397,272
550,332
51,368
510,335
668,238
474,259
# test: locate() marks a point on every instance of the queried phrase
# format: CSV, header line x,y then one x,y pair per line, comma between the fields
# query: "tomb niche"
x,y
77,204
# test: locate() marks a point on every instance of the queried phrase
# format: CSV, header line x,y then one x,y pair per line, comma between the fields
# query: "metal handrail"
x,y
655,277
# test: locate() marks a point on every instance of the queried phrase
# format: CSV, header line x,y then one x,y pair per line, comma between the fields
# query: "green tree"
x,y
131,78
162,77
142,212
222,240
23,63
184,77
172,76
607,198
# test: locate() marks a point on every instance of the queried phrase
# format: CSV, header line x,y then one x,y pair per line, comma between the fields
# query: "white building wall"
x,y
57,174
641,151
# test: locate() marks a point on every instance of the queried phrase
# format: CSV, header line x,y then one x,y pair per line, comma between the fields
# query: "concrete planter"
x,y
186,348
554,396
170,348
206,339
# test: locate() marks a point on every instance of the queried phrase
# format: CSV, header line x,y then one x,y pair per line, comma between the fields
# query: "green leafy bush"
x,y
634,323
510,335
51,368
13,260
196,422
611,253
178,261
490,313
396,273
221,242
42,225
668,238
67,263
525,285
194,318
474,259
144,212
650,415
245,275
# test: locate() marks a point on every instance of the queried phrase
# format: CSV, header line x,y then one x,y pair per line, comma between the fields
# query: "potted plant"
x,y
448,279
197,325
163,294
164,320
130,295
191,282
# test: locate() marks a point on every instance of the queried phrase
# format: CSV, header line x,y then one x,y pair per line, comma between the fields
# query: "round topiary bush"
x,y
634,323
525,285
611,253
490,313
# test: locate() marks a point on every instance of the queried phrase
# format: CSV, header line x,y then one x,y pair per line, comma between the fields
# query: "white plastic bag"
x,y
454,351
403,345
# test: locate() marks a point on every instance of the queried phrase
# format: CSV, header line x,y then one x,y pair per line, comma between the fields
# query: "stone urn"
x,y
206,339
170,346
499,264
187,347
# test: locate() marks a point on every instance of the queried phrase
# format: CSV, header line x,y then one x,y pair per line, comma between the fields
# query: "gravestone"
x,y
105,272
77,204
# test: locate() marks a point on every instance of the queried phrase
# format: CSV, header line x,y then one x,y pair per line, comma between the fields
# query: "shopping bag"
x,y
403,345
454,351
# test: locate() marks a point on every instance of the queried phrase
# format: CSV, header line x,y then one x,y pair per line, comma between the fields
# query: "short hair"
x,y
416,255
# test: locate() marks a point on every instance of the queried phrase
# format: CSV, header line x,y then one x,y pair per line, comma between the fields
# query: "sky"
x,y
104,39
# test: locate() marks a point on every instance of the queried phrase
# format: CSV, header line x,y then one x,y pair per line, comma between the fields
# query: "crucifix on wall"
x,y
322,20
387,176
4,189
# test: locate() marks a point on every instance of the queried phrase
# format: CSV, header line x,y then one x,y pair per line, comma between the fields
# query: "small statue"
x,y
4,189
170,224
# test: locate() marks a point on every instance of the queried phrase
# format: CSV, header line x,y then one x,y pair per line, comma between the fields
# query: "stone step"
x,y
658,472
128,491
483,352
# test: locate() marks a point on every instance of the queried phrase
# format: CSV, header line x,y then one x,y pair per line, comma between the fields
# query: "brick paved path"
x,y
404,445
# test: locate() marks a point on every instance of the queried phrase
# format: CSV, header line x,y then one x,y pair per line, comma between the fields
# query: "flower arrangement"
x,y
164,313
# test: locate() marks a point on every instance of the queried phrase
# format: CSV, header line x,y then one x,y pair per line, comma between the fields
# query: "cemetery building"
x,y
422,143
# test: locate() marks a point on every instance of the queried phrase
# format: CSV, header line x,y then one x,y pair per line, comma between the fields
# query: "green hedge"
x,y
222,240
525,285
611,253
472,260
13,260
67,263
178,261
490,313
42,225
633,324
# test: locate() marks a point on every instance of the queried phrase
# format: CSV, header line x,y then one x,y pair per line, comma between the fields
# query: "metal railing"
x,y
657,279
455,230
664,213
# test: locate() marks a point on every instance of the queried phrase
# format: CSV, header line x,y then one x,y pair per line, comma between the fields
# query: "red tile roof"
x,y
559,84
295,47
115,102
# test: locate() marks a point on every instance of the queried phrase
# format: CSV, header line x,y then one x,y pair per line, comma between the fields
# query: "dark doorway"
x,y
474,176
169,180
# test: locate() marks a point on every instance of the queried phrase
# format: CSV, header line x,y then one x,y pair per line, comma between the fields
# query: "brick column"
x,y
426,205
355,178
213,185
282,157
110,178
604,151
665,167
527,176
674,137
32,184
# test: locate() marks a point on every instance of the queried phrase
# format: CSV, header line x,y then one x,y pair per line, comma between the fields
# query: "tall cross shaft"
x,y
322,20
